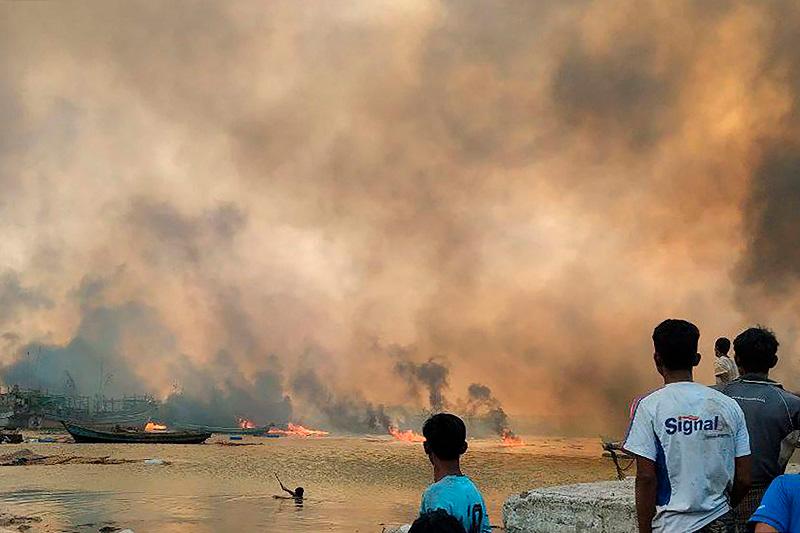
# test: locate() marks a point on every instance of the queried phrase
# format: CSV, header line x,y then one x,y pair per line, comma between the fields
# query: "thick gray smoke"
x,y
198,192
348,413
430,375
482,405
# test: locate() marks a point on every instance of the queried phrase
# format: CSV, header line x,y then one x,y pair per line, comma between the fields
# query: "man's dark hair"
x,y
437,521
722,345
445,436
756,349
676,342
298,492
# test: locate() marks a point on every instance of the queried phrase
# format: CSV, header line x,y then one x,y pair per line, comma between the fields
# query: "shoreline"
x,y
208,487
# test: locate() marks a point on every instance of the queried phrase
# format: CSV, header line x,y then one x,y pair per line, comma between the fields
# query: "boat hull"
x,y
85,434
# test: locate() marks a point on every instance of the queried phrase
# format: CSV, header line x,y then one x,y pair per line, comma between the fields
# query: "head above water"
x,y
438,521
298,492
675,343
445,436
722,345
756,350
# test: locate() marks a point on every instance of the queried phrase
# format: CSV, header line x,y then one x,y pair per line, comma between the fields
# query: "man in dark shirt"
x,y
772,414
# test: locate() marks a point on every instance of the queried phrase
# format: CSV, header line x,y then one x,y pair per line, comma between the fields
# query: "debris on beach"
x,y
237,443
26,457
406,435
17,522
10,437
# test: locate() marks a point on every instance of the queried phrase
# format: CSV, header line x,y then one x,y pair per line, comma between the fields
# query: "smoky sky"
x,y
244,203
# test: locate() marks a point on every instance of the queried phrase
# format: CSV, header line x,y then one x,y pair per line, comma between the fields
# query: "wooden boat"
x,y
121,435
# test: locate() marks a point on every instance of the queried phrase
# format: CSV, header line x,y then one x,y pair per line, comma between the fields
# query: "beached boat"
x,y
121,435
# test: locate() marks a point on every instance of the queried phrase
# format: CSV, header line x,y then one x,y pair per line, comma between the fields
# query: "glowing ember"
x,y
296,430
154,426
510,439
405,435
245,423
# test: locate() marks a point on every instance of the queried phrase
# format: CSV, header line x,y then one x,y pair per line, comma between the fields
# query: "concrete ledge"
x,y
602,507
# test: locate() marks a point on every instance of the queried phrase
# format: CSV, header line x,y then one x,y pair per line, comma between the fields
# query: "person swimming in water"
x,y
297,493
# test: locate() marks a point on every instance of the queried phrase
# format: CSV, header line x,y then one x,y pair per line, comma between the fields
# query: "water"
x,y
352,484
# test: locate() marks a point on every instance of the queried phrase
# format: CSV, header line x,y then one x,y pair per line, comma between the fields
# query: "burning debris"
x,y
244,423
406,435
26,457
510,439
296,430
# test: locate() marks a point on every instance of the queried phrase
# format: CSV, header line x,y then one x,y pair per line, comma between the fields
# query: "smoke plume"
x,y
197,194
349,413
481,403
431,375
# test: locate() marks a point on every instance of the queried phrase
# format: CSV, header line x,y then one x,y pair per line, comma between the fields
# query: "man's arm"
x,y
291,492
765,528
742,479
646,484
719,368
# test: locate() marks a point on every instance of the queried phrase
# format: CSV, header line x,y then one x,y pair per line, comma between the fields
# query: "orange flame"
x,y
154,426
296,430
405,435
245,423
510,439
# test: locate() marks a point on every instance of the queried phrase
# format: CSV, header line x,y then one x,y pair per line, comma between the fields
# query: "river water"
x,y
352,484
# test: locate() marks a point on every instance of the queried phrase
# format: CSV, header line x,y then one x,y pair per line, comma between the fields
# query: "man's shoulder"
x,y
719,396
789,484
791,398
450,486
664,394
722,396
791,481
723,361
648,399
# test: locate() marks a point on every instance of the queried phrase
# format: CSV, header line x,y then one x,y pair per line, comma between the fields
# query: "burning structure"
x,y
33,408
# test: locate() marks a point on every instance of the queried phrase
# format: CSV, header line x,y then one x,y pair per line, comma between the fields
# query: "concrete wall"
x,y
602,507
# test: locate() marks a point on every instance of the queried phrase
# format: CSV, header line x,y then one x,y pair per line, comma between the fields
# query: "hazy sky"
x,y
225,196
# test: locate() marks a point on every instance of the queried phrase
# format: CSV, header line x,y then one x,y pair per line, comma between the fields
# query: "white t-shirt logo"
x,y
688,424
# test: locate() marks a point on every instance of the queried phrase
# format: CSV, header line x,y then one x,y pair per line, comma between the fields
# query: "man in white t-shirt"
x,y
725,369
691,444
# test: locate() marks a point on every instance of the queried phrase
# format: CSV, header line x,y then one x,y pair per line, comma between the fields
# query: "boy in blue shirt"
x,y
452,491
780,509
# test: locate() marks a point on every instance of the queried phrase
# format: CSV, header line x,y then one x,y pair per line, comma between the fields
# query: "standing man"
x,y
772,414
445,443
690,442
724,368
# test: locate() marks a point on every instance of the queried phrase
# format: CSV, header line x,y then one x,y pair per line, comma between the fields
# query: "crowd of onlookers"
x,y
713,459
708,459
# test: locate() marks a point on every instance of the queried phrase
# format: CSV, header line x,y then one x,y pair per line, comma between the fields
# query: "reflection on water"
x,y
352,484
